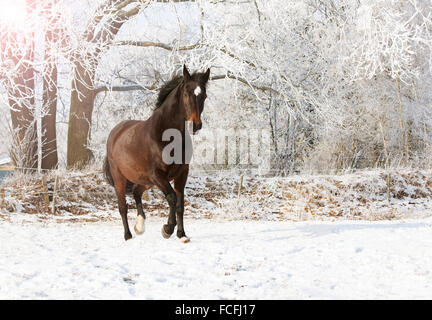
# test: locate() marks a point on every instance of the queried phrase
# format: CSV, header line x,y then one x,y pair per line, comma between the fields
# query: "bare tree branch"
x,y
123,88
154,44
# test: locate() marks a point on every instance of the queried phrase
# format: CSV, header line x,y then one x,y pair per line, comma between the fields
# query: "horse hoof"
x,y
139,225
184,239
128,236
165,234
138,231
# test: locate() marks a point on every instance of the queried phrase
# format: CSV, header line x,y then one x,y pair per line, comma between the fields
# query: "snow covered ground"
x,y
224,260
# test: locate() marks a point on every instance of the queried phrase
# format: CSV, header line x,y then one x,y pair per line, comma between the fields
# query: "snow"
x,y
224,260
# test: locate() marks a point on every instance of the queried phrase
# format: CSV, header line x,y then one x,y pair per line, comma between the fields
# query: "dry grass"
x,y
86,196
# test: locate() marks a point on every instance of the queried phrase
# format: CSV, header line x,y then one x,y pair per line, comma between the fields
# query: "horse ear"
x,y
186,73
206,75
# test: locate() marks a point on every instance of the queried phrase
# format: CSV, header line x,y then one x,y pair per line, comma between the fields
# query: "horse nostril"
x,y
196,127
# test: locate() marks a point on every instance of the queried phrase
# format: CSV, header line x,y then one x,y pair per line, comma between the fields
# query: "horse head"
x,y
192,96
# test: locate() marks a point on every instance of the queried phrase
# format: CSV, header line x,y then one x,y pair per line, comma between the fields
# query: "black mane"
x,y
169,86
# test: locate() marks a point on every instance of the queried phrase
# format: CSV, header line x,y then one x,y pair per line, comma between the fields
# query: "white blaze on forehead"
x,y
197,91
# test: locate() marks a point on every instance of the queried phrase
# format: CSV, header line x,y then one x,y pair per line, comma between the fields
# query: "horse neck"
x,y
168,116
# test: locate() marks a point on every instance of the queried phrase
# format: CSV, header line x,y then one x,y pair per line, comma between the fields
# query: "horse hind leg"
x,y
140,223
121,196
120,189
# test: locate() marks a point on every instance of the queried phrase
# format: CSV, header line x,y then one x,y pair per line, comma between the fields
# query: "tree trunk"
x,y
83,93
80,118
20,90
24,145
49,98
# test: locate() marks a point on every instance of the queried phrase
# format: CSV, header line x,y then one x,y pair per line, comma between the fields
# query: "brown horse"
x,y
135,160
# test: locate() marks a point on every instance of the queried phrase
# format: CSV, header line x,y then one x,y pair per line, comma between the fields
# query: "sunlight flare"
x,y
12,12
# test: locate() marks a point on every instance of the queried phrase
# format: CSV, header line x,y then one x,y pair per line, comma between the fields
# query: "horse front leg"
x,y
162,182
180,211
179,185
168,229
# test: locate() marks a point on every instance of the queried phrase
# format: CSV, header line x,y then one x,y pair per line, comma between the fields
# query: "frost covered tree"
x,y
331,80
31,40
339,84
94,41
17,74
86,53
334,78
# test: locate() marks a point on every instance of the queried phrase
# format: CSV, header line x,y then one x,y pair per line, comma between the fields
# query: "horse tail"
x,y
109,178
107,172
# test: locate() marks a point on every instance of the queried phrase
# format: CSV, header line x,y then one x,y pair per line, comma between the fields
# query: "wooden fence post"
x,y
240,186
45,191
54,194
